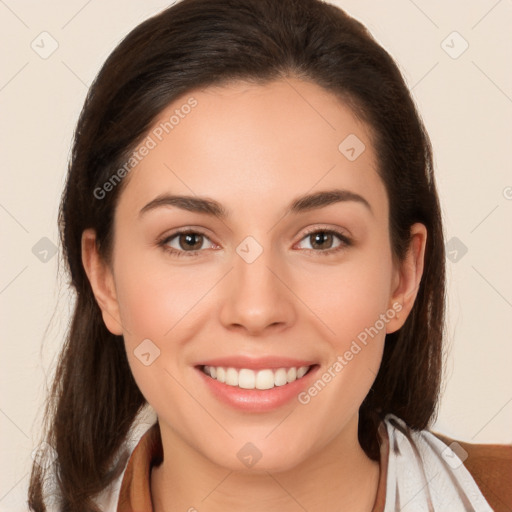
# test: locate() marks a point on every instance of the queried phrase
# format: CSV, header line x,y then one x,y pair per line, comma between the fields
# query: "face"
x,y
275,260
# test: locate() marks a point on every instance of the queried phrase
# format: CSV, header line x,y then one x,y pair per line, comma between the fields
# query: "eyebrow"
x,y
211,207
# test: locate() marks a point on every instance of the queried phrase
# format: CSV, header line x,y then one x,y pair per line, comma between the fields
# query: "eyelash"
x,y
345,242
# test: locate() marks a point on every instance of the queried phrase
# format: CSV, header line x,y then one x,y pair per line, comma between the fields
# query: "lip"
x,y
260,363
256,400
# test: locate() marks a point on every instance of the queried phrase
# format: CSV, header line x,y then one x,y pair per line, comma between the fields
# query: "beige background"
x,y
466,103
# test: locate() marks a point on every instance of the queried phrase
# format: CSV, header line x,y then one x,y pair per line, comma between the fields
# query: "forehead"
x,y
241,143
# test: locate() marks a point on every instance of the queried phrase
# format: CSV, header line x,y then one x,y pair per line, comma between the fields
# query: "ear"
x,y
101,278
407,278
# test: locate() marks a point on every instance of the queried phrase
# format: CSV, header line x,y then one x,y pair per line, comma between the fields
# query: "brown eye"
x,y
190,241
324,241
321,240
187,242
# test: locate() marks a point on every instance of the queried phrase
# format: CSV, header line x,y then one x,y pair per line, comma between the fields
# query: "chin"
x,y
253,457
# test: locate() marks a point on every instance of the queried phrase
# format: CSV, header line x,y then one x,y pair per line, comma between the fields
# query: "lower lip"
x,y
257,400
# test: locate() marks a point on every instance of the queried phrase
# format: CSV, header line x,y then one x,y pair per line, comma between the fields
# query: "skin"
x,y
255,148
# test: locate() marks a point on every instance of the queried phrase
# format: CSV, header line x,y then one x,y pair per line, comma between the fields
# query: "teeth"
x,y
264,379
280,377
255,379
231,377
246,379
301,372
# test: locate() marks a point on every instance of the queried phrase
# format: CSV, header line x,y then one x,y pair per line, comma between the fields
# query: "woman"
x,y
252,227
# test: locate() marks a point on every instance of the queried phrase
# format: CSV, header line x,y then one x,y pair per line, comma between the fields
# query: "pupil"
x,y
321,238
190,240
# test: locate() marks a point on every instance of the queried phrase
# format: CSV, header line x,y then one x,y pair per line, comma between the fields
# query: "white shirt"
x,y
424,474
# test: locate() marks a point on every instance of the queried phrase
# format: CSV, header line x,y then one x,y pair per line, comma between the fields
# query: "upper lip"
x,y
259,363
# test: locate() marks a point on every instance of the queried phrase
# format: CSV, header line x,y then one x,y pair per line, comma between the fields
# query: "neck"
x,y
340,476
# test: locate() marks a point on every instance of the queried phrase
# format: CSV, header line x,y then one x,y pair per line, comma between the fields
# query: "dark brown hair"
x,y
197,43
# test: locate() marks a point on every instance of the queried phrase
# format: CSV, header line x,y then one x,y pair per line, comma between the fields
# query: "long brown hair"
x,y
197,43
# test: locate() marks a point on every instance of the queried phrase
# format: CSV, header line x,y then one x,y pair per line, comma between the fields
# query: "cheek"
x,y
162,310
352,301
155,297
348,298
353,305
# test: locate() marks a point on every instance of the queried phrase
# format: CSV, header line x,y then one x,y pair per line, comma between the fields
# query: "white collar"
x,y
424,474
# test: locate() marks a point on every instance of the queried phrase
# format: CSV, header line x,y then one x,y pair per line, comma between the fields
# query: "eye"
x,y
186,243
190,243
324,241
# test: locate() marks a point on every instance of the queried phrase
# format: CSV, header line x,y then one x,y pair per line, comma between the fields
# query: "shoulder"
x,y
432,471
141,443
490,465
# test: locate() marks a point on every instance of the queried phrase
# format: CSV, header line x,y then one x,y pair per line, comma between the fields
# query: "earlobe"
x,y
408,277
102,282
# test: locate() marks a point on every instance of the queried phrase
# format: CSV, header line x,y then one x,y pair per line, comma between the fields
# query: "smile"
x,y
246,378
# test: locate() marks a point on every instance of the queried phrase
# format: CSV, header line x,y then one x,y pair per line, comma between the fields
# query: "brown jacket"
x,y
490,466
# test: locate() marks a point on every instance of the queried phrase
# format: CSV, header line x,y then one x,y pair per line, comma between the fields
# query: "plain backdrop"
x,y
455,57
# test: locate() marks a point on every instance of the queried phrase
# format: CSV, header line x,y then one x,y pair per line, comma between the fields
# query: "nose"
x,y
257,298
